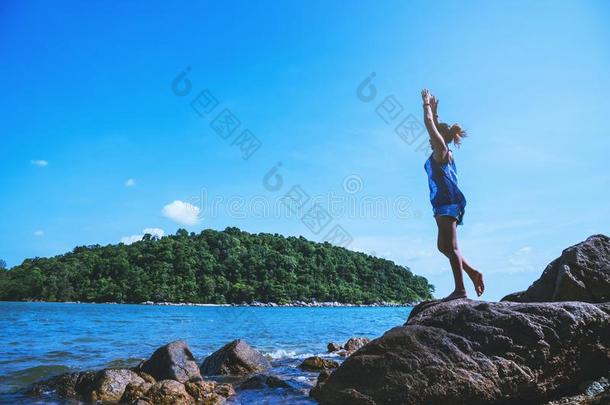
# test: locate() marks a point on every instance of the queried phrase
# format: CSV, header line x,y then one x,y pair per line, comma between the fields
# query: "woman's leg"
x,y
475,276
447,244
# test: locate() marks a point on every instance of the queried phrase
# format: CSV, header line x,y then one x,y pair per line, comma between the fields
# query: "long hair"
x,y
453,133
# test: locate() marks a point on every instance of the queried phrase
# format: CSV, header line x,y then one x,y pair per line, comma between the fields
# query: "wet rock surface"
x,y
135,386
235,358
174,361
316,363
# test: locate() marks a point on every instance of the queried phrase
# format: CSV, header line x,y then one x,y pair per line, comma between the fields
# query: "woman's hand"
x,y
425,96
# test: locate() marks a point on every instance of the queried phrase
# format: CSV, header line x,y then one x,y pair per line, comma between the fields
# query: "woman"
x,y
447,200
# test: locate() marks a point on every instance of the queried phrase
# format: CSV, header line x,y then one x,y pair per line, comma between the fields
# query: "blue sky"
x,y
87,104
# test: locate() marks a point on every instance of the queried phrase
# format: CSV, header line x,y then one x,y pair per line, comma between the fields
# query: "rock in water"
x,y
110,384
469,352
316,363
169,392
262,381
235,358
355,343
174,361
333,347
581,273
209,392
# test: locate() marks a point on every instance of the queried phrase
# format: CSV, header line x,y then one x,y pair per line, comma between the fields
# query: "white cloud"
x,y
39,163
520,261
181,212
128,240
130,183
157,232
38,232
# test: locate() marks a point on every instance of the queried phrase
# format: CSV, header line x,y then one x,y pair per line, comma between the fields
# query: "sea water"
x,y
39,340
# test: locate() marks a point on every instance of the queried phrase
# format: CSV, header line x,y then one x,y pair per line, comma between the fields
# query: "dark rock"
x,y
323,376
355,343
146,377
110,384
209,392
64,385
174,361
134,392
105,385
235,358
276,382
169,392
581,273
263,381
468,352
315,363
333,347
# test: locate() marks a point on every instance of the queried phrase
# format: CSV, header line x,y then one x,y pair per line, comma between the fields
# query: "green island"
x,y
213,267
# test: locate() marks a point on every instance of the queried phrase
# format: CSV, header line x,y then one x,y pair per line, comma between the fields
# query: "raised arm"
x,y
439,147
434,105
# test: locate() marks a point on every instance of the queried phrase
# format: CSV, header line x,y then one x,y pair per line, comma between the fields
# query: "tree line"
x,y
230,266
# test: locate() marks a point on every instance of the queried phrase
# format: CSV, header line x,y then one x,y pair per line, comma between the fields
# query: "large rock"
x,y
263,381
173,364
581,273
317,363
106,385
468,352
174,361
110,384
235,358
355,343
209,392
169,392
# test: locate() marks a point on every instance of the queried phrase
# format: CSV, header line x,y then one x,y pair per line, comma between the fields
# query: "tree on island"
x,y
229,266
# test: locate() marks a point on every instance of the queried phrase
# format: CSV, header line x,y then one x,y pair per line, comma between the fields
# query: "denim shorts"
x,y
451,210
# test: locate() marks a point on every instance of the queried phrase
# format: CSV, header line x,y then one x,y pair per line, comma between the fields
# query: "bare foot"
x,y
456,295
477,280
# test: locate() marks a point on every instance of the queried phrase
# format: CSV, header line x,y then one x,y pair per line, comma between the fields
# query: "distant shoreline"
x,y
312,304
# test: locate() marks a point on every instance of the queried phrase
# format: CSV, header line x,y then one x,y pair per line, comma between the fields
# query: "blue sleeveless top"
x,y
442,179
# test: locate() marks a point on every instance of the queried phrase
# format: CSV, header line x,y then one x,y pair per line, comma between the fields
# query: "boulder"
x,y
333,347
110,384
174,361
581,273
209,392
348,347
107,385
473,352
138,385
63,384
316,363
263,381
235,358
134,392
169,392
323,376
355,343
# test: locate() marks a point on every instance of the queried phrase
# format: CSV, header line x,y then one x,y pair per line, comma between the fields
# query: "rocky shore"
x,y
171,375
540,346
553,350
296,303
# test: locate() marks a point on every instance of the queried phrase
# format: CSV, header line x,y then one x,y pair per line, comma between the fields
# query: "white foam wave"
x,y
283,354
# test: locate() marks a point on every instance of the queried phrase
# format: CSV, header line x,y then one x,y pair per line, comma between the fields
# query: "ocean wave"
x,y
290,354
